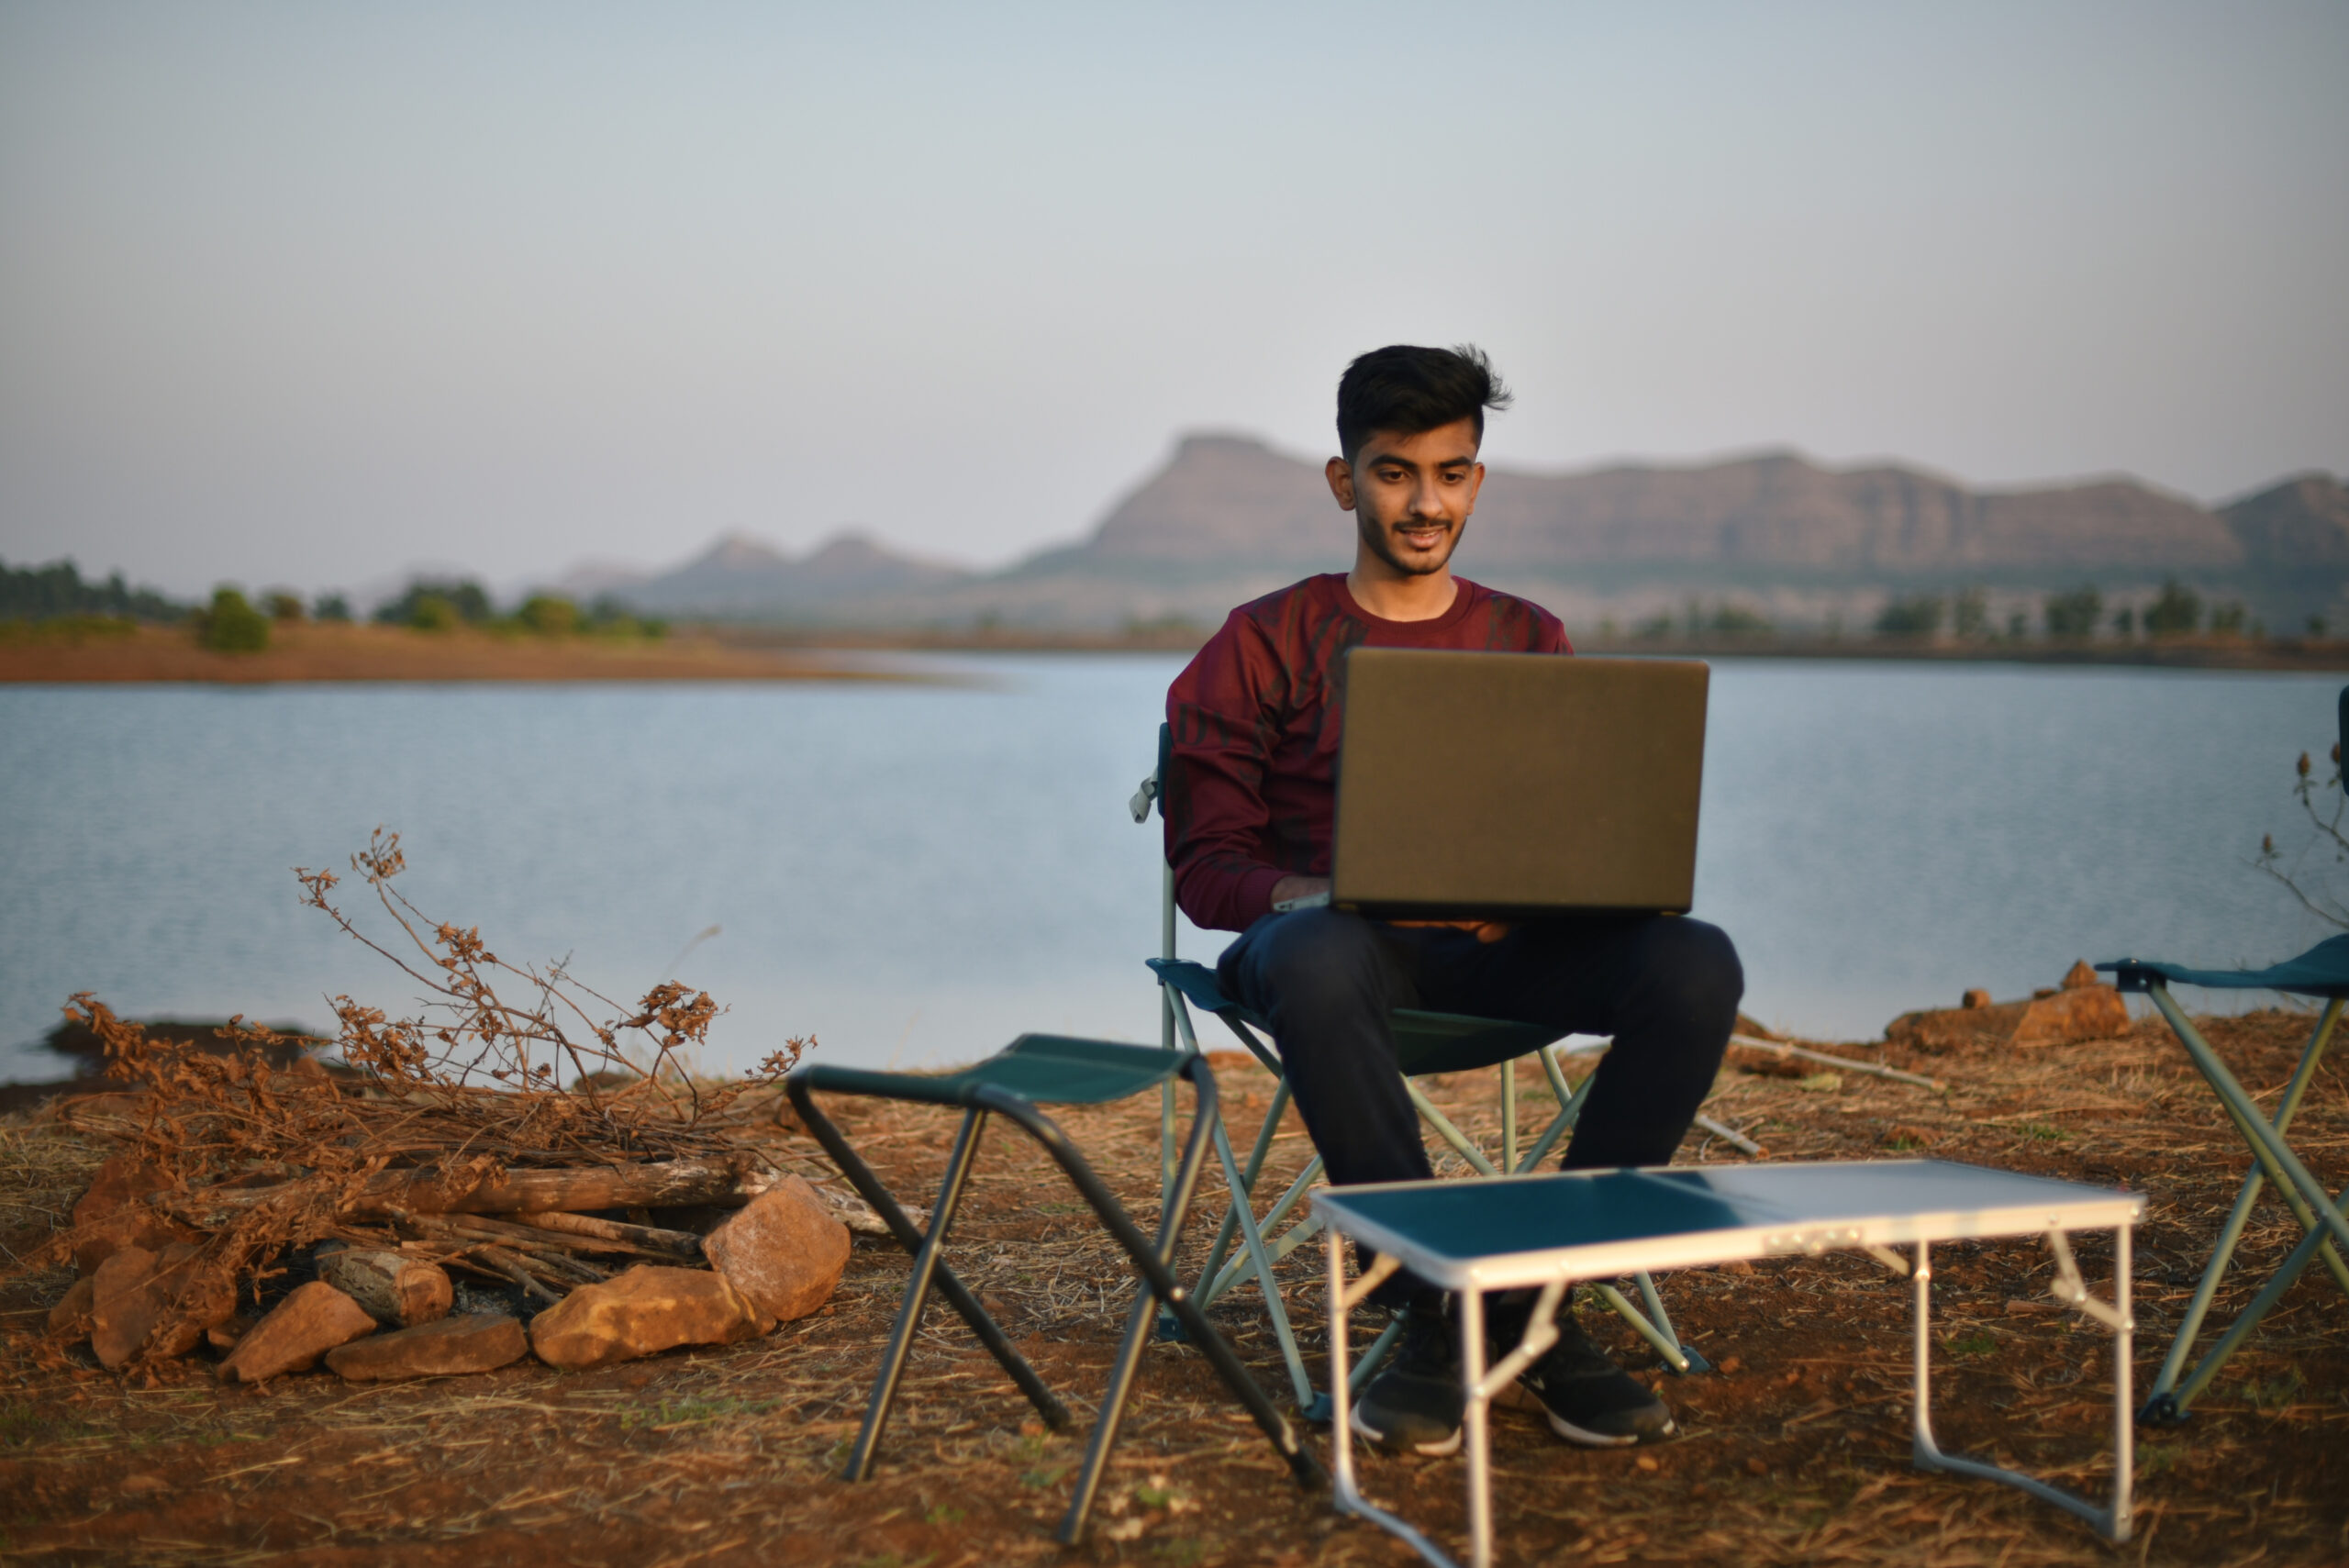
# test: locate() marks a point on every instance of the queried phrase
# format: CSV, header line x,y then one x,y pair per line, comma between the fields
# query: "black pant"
x,y
1665,986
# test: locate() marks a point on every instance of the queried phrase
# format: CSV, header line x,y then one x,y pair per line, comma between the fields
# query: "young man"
x,y
1249,803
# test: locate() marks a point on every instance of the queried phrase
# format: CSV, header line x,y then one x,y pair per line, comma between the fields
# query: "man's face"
x,y
1411,495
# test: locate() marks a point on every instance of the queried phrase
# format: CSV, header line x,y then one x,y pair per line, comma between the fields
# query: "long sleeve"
x,y
1222,714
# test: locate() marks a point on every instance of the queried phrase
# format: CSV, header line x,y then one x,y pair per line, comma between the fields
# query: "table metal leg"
x,y
1343,1492
1479,1434
1479,1383
2111,1522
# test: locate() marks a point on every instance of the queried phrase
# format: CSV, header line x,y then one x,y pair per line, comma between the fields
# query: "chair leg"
x,y
901,1340
1245,1269
1153,1261
1569,1110
2170,1406
1158,1276
1675,1355
1139,1325
1508,1115
1300,1385
2301,1190
958,1296
1246,1194
2168,1400
1448,1132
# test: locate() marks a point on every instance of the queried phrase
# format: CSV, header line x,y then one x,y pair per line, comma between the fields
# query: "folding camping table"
x,y
1550,1231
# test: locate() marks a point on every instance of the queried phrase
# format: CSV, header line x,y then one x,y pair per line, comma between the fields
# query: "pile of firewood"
x,y
525,1143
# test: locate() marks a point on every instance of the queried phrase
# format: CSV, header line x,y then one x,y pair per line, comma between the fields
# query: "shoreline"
x,y
313,653
367,654
2181,653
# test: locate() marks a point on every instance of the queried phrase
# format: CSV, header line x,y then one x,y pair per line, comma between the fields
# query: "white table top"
x,y
1502,1232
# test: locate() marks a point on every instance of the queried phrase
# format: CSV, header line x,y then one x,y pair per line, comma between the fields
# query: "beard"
x,y
1380,539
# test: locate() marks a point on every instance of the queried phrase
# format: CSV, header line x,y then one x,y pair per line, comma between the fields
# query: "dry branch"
x,y
517,1089
646,1238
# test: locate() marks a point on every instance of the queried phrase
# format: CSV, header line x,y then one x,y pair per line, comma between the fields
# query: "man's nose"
x,y
1427,499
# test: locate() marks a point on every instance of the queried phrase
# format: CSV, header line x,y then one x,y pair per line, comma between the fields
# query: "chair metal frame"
x,y
1153,1257
1182,985
2324,1219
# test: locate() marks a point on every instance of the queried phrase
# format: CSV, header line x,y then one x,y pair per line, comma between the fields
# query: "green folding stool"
x,y
2323,972
1425,1043
1037,1070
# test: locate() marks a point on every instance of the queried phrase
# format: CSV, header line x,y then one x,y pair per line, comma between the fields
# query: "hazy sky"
x,y
310,293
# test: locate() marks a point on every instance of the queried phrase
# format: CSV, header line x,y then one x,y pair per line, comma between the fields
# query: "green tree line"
x,y
57,591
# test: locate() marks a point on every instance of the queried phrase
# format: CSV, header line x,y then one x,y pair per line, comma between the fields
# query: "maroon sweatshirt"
x,y
1252,794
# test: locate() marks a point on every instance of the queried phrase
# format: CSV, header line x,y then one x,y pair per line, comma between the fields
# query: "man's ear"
x,y
1341,475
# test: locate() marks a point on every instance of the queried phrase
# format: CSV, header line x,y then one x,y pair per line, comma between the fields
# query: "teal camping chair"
x,y
1037,1070
1425,1043
2322,972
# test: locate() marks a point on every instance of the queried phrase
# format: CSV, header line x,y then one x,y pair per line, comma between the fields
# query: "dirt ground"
x,y
1795,1450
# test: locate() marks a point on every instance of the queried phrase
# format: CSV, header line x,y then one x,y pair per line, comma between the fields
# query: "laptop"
x,y
1517,785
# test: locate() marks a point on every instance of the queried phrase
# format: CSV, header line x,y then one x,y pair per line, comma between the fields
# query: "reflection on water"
x,y
916,873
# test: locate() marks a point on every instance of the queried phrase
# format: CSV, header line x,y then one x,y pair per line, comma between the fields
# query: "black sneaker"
x,y
1589,1399
1414,1407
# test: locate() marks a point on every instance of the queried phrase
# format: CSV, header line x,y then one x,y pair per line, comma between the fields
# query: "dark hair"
x,y
1410,390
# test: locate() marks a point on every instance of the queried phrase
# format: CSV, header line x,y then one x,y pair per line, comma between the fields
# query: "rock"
x,y
309,1322
397,1292
135,1292
2084,1012
643,1312
784,1251
120,1179
1978,998
1984,1023
111,1216
117,1323
2052,1018
70,1318
481,1341
2079,976
132,1225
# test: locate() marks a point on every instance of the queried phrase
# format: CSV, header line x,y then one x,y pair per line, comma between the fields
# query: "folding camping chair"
x,y
1043,1069
1426,1042
2321,971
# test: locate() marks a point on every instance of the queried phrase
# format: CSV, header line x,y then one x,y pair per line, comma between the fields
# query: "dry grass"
x,y
1799,1453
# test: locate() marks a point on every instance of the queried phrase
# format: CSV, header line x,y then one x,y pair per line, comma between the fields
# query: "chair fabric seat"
x,y
2323,971
1043,1068
1425,1043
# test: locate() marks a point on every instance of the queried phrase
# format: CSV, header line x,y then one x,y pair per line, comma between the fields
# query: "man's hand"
x,y
1290,887
1486,931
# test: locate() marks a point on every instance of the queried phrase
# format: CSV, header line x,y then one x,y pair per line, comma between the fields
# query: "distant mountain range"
x,y
741,578
1227,516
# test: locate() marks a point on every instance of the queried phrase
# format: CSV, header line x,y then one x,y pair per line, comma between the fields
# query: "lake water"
x,y
915,874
